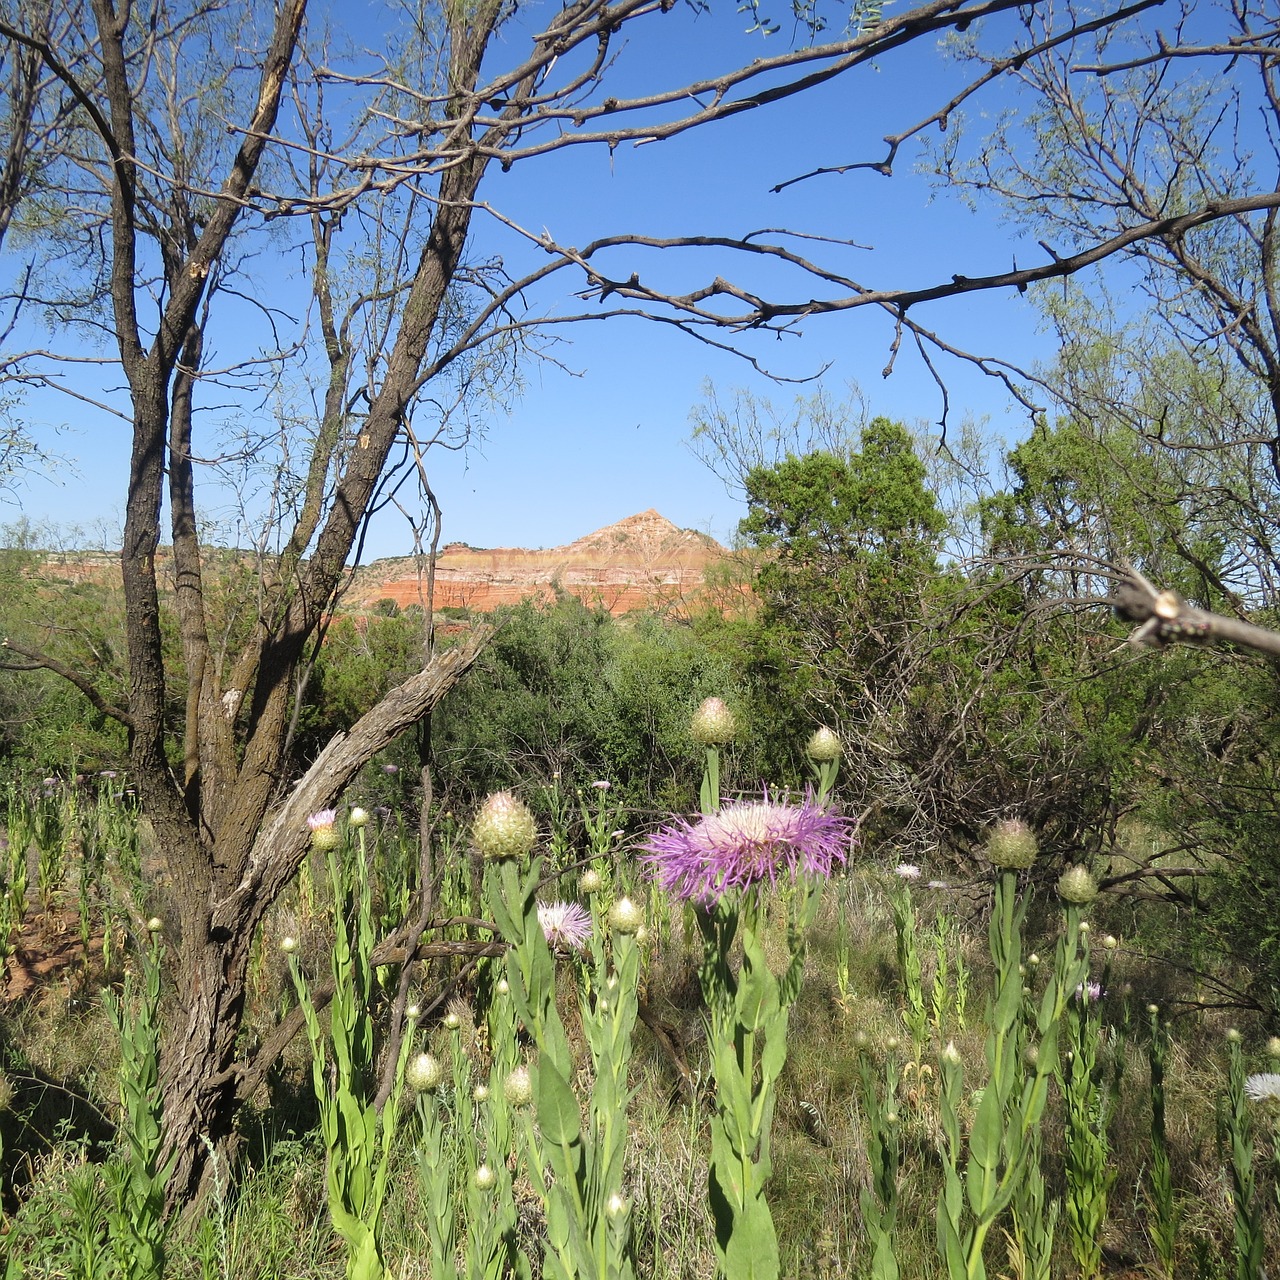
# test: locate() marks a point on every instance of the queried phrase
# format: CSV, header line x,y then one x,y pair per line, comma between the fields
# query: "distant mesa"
x,y
641,562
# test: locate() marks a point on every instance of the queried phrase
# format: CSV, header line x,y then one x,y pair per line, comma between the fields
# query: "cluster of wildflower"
x,y
746,844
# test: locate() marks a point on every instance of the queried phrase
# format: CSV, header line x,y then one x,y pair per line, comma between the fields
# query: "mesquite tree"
x,y
253,247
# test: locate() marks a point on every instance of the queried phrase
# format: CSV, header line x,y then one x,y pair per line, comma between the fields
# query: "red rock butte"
x,y
642,562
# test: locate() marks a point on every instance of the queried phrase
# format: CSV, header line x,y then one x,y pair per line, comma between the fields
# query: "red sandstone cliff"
x,y
642,561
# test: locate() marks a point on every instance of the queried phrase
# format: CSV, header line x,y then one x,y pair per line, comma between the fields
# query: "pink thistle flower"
x,y
564,924
323,819
746,844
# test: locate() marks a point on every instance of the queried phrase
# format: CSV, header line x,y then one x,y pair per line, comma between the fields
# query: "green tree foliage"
x,y
568,690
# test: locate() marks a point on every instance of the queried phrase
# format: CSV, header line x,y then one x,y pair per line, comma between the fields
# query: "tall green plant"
x,y
138,1229
357,1134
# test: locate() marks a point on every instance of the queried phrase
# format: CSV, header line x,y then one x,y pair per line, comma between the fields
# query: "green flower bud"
x,y
823,746
424,1073
615,1206
625,916
519,1088
1077,886
288,945
1233,1036
155,924
590,882
1110,943
484,1178
452,1021
1153,1009
951,1055
358,818
1273,1047
713,723
480,1093
504,828
1012,845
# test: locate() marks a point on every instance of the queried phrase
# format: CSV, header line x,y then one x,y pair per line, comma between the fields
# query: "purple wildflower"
x,y
322,819
1090,992
564,924
390,769
602,785
746,844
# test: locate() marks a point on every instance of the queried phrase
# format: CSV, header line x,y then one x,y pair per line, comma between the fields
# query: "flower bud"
x,y
503,987
892,1044
615,1206
484,1178
413,1013
1153,1009
1031,1055
155,924
1110,943
358,818
591,881
324,834
1077,886
480,1093
891,1117
423,1073
1033,961
1273,1047
519,1087
288,945
713,723
823,746
452,1021
1012,845
504,828
951,1055
625,916
1084,928
1233,1036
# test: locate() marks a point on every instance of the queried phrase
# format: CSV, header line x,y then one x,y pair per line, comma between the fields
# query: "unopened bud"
x,y
484,1178
1012,845
288,945
1077,886
519,1087
423,1073
504,828
358,818
713,723
625,916
591,881
823,746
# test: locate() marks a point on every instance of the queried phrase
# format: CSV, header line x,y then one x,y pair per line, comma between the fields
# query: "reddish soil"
x,y
47,950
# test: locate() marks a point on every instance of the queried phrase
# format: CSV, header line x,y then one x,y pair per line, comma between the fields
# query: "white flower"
x,y
907,871
1264,1087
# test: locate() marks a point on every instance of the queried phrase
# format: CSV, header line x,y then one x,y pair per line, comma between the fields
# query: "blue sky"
x,y
606,438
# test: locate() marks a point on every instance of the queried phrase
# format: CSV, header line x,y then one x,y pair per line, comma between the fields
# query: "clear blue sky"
x,y
583,448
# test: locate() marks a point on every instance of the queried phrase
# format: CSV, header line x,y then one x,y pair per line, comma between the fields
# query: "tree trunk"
x,y
199,1072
